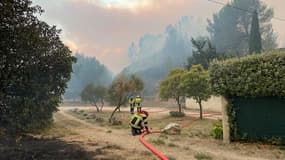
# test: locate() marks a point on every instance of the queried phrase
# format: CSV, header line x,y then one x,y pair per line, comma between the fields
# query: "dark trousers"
x,y
139,107
136,131
132,110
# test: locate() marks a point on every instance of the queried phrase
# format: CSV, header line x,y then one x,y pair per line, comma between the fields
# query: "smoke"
x,y
174,42
86,70
153,56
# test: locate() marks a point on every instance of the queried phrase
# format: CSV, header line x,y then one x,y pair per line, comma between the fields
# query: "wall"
x,y
213,104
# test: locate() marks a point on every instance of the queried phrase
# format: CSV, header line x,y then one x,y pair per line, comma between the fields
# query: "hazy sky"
x,y
105,28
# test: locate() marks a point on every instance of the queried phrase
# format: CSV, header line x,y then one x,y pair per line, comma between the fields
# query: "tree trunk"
x,y
179,105
110,118
201,109
102,105
97,108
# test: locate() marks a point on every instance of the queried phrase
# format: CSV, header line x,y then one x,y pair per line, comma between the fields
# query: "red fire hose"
x,y
152,149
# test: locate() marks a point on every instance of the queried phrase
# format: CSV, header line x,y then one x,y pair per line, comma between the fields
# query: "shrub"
x,y
202,156
172,145
217,131
250,76
99,119
246,80
115,121
35,67
176,114
158,142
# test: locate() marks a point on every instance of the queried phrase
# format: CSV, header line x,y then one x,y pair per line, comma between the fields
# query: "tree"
x,y
255,38
171,87
94,95
85,71
136,84
230,27
119,90
196,85
203,53
35,67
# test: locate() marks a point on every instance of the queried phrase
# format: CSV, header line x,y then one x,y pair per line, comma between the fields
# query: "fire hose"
x,y
152,149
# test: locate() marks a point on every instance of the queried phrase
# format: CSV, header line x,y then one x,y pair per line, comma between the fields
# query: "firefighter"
x,y
138,103
139,123
132,104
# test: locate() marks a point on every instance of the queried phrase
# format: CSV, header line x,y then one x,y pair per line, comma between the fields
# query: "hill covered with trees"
x,y
85,71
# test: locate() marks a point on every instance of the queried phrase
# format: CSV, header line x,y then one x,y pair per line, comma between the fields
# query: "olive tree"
x,y
195,84
171,87
94,94
120,88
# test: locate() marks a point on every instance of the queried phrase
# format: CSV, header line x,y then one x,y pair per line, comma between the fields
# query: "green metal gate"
x,y
260,118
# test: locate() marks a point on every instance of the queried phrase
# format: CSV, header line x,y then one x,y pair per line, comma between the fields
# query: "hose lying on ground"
x,y
152,149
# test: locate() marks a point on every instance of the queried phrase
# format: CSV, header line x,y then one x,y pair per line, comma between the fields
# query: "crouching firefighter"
x,y
139,123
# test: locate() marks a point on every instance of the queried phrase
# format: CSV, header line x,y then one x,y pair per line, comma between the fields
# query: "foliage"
x,y
94,94
172,145
196,85
202,156
251,76
158,141
85,71
120,89
231,112
172,88
255,37
217,131
136,84
230,27
203,53
176,114
34,67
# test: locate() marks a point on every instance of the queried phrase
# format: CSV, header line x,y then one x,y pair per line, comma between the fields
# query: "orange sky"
x,y
105,30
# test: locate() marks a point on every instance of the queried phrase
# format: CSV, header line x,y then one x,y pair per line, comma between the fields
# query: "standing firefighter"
x,y
132,104
139,123
138,103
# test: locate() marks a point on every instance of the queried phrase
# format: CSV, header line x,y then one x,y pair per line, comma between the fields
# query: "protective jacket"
x,y
132,102
138,120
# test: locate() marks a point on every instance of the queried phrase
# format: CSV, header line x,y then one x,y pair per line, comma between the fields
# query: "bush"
x,y
158,141
202,156
176,114
35,67
217,131
172,145
260,75
116,122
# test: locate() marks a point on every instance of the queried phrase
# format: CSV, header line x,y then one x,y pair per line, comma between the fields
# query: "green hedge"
x,y
176,114
260,75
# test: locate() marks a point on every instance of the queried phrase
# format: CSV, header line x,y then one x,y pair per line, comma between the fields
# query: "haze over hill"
x,y
86,70
154,55
105,29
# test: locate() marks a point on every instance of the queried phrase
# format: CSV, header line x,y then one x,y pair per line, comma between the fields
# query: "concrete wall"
x,y
213,104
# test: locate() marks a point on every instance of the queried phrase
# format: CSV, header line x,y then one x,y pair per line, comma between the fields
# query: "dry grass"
x,y
194,139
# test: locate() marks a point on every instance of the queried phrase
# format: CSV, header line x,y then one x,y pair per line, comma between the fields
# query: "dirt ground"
x,y
75,137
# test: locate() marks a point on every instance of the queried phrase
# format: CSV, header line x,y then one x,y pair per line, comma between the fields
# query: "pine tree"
x,y
255,37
